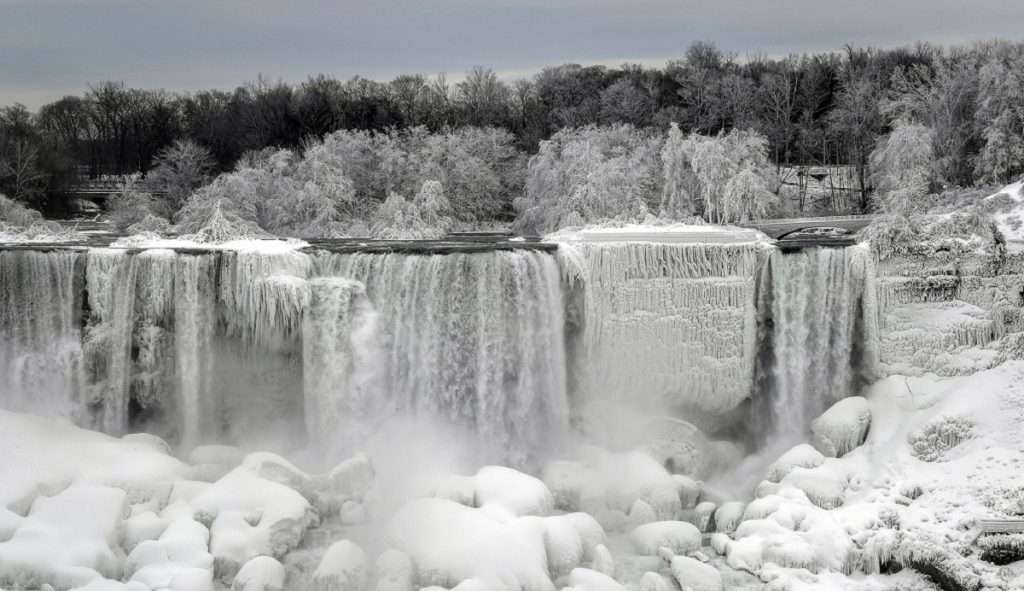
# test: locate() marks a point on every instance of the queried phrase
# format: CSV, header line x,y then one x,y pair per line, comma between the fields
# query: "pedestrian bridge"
x,y
780,228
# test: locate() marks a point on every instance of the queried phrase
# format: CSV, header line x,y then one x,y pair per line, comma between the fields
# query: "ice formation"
x,y
665,323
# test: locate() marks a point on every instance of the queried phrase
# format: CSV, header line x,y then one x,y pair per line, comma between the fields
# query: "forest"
x,y
712,134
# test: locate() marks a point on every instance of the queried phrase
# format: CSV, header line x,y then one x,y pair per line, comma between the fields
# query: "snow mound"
x,y
842,427
679,536
179,560
518,493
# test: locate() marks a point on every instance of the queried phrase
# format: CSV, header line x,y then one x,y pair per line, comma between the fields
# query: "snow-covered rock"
x,y
519,493
394,571
179,560
652,581
342,568
695,575
584,579
352,478
801,456
66,540
603,561
842,427
262,573
704,516
679,536
728,516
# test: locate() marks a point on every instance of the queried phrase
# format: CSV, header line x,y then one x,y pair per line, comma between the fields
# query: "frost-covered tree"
x,y
1000,116
433,207
591,174
747,196
399,219
902,165
735,178
178,171
131,204
677,192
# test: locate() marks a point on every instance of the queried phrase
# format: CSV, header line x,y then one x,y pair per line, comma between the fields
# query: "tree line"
x,y
832,108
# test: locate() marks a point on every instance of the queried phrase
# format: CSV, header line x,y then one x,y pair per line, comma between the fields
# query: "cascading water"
x,y
194,322
340,355
472,339
818,333
40,352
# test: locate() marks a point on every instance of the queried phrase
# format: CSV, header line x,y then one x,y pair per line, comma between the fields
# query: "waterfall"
x,y
471,339
339,357
194,322
40,343
819,335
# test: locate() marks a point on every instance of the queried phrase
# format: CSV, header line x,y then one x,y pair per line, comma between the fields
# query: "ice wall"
x,y
818,332
40,347
470,338
949,315
665,325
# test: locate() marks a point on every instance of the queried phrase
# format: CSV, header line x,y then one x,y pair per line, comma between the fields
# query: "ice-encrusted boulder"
x,y
342,568
801,456
641,512
585,579
679,536
457,488
66,540
519,493
695,575
825,487
502,548
352,478
567,481
144,526
149,440
689,490
728,516
652,581
563,546
603,561
394,571
178,560
250,515
704,516
262,573
842,428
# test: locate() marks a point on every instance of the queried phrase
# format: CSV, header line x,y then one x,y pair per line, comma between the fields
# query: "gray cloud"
x,y
53,47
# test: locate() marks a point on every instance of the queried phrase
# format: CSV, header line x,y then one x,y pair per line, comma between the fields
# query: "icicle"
x,y
264,296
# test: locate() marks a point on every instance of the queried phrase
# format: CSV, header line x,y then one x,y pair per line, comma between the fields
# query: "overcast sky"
x,y
49,48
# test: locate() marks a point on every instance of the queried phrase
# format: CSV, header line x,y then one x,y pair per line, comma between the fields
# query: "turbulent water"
x,y
322,347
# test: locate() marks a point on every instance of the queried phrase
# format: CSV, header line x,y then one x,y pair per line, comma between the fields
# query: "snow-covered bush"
x,y
591,174
18,223
940,435
952,235
132,204
217,221
177,172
